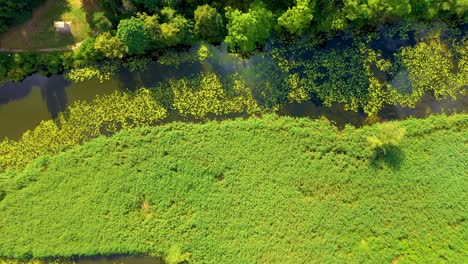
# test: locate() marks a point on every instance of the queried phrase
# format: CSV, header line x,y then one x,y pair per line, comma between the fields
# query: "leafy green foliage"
x,y
137,64
86,53
175,256
362,12
133,34
246,30
209,24
101,71
388,136
101,22
173,58
298,18
16,66
153,27
111,46
167,30
349,71
176,28
241,191
205,94
431,66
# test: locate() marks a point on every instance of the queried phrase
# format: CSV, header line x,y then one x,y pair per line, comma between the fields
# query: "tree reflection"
x,y
54,94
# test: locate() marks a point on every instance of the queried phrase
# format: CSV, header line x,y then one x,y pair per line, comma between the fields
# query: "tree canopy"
x,y
111,46
245,30
132,33
298,18
208,23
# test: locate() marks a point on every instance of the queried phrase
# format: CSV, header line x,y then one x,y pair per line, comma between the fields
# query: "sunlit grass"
x,y
267,190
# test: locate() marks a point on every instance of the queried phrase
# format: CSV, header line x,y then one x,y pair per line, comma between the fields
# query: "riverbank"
x,y
347,78
271,189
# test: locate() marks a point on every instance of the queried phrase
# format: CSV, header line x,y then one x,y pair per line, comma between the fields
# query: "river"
x,y
23,105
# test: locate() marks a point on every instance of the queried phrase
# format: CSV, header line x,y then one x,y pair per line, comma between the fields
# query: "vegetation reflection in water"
x,y
348,79
391,67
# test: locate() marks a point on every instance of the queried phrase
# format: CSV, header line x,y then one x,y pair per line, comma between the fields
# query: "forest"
x,y
168,131
126,28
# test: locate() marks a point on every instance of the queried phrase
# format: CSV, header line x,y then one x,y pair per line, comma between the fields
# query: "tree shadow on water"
x,y
391,158
54,95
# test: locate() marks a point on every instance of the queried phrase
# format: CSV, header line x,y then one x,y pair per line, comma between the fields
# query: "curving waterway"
x,y
23,105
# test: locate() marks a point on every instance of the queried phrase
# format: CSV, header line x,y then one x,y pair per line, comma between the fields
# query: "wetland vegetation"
x,y
164,128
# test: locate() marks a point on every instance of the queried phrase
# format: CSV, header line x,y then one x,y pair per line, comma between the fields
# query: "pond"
x,y
23,105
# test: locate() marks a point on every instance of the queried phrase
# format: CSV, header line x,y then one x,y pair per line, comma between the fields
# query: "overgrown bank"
x,y
259,190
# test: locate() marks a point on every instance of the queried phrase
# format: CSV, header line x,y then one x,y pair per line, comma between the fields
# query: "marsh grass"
x,y
291,190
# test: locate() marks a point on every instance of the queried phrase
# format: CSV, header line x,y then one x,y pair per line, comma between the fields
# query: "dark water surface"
x,y
23,105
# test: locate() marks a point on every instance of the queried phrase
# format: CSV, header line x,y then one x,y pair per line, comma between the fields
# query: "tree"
x,y
101,22
175,29
111,46
208,23
297,19
245,30
132,33
86,53
362,12
14,11
152,25
388,135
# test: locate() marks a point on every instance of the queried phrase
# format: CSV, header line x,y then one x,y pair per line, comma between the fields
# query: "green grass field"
x,y
39,33
270,190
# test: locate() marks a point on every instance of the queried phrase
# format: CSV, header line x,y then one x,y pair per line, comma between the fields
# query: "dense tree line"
x,y
246,25
134,27
14,11
243,24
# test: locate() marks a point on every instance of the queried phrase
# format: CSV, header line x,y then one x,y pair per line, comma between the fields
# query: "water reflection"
x,y
23,105
54,95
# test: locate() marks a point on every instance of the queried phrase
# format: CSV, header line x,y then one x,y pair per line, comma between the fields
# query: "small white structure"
x,y
62,26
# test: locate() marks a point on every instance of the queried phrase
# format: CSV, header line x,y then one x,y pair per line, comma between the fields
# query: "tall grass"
x,y
270,190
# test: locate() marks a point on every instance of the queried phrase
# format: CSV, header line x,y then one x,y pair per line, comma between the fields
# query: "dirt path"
x,y
77,45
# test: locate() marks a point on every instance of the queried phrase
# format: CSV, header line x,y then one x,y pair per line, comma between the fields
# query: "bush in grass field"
x,y
388,135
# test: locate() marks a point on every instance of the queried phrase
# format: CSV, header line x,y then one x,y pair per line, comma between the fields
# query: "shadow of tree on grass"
x,y
90,7
391,158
